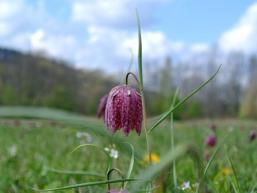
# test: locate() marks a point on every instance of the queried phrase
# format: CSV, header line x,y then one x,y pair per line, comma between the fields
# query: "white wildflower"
x,y
185,185
85,135
114,153
12,150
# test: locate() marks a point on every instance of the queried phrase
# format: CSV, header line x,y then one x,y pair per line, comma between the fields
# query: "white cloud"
x,y
57,46
155,44
36,39
99,34
242,37
114,13
112,32
111,48
9,9
4,28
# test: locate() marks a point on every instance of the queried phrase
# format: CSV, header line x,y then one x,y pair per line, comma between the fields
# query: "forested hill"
x,y
35,80
27,79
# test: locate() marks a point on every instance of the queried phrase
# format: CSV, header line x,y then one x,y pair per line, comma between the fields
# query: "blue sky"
x,y
101,33
200,20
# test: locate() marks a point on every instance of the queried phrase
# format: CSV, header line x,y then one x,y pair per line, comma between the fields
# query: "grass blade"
x,y
165,115
70,172
214,155
234,186
253,189
149,173
99,148
210,161
131,165
140,56
172,132
88,145
85,185
234,181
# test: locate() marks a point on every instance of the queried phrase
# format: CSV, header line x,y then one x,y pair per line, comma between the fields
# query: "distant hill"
x,y
34,80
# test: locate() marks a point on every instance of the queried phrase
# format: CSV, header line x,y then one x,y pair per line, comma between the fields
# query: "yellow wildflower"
x,y
155,158
226,171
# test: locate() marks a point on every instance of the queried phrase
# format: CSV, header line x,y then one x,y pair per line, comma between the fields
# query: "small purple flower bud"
x,y
124,110
210,141
101,106
117,191
252,135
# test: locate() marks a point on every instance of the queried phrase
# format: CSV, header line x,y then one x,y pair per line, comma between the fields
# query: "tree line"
x,y
36,80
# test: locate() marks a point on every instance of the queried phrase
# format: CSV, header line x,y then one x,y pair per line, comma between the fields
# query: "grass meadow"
x,y
37,144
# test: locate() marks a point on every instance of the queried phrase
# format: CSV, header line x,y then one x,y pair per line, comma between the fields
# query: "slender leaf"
x,y
89,145
99,148
235,182
214,155
172,132
211,160
85,185
70,172
131,165
234,186
166,114
253,189
140,56
153,170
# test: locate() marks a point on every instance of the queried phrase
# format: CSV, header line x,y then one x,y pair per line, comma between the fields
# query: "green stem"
x,y
134,76
145,129
172,132
109,173
141,88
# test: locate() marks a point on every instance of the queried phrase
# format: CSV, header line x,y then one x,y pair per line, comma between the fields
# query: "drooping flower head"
x,y
210,141
124,110
117,191
101,106
252,135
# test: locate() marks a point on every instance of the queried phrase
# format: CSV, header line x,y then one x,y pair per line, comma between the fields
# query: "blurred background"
x,y
66,54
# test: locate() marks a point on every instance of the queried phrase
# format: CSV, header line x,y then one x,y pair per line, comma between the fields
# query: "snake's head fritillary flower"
x,y
210,141
101,106
124,110
252,135
117,191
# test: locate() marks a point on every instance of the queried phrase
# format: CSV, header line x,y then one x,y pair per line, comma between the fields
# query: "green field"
x,y
36,153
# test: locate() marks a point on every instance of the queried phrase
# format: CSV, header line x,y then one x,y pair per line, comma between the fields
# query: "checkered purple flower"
x,y
124,110
210,141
